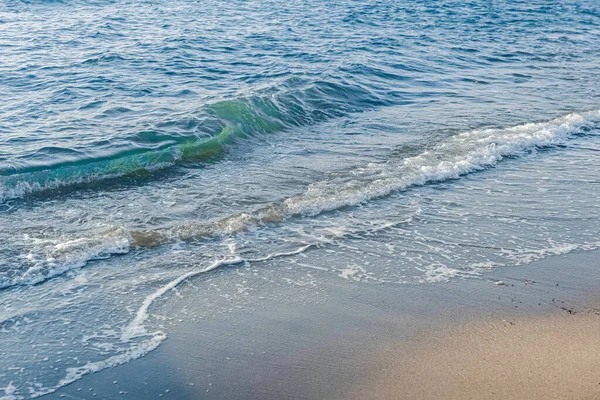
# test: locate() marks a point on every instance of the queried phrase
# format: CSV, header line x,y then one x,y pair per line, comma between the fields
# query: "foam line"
x,y
136,327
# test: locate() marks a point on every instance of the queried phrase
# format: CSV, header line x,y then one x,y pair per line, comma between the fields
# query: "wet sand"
x,y
536,336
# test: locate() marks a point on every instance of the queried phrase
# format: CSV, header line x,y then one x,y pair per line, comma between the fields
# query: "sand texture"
x,y
551,357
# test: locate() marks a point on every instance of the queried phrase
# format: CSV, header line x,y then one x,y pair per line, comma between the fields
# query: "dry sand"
x,y
555,356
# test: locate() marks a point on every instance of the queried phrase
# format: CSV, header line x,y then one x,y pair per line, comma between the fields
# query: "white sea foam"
x,y
136,326
53,257
9,392
527,256
75,373
456,156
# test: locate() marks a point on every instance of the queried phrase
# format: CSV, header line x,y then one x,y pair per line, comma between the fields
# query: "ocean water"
x,y
155,149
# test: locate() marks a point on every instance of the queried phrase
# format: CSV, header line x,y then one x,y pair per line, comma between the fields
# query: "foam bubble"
x,y
9,392
53,257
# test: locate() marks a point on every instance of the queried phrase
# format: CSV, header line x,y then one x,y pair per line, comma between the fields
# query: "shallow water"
x,y
145,144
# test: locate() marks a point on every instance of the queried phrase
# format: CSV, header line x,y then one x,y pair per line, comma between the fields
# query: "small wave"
x,y
456,156
222,124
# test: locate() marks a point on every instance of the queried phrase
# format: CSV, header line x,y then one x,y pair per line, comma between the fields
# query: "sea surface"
x,y
159,149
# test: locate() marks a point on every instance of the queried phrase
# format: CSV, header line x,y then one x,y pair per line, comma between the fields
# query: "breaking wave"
x,y
449,159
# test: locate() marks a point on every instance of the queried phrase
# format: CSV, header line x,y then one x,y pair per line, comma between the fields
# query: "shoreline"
x,y
347,340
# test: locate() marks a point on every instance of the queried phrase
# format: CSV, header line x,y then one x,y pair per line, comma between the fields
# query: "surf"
x,y
449,159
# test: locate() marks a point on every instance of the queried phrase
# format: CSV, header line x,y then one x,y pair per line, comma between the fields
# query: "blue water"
x,y
145,143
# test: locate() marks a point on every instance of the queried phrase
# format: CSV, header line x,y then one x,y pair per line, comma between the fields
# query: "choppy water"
x,y
144,144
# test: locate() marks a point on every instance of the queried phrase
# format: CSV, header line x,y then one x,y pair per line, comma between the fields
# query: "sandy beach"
x,y
533,337
550,357
258,199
